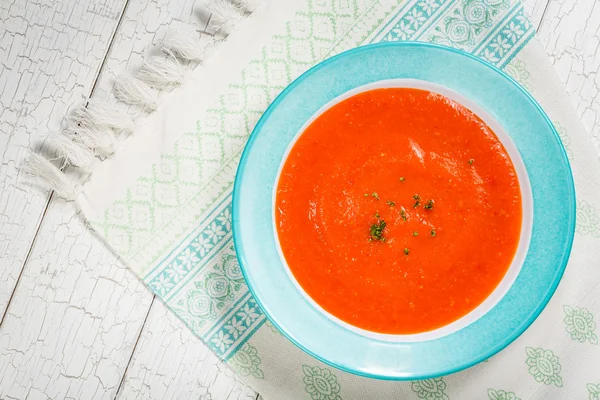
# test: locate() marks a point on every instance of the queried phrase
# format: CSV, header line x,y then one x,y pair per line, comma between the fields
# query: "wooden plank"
x,y
51,53
570,33
535,10
76,315
49,57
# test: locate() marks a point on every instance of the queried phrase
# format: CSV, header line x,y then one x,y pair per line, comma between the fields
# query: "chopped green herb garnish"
x,y
390,203
401,179
406,251
376,231
417,202
433,232
471,161
403,214
416,233
366,194
375,195
428,205
377,215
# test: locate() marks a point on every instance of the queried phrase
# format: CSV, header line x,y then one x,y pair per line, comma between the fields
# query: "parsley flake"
x,y
376,231
403,214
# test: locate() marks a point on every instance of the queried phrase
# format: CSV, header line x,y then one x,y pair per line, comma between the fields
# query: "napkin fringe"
x,y
42,171
95,126
93,113
161,72
225,15
132,90
184,46
92,131
74,153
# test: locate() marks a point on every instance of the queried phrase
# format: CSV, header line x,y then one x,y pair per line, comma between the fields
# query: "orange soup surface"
x,y
398,211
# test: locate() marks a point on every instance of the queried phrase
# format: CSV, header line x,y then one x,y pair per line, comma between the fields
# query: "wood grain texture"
x,y
73,322
570,34
535,10
76,315
50,52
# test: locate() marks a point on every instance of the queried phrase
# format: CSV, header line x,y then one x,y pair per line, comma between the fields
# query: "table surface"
x,y
74,322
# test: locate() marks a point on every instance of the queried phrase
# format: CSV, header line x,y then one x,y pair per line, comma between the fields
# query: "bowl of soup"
x,y
396,219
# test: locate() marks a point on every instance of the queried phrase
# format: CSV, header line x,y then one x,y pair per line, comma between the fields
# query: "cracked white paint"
x,y
49,54
77,312
72,326
571,35
535,10
75,317
170,362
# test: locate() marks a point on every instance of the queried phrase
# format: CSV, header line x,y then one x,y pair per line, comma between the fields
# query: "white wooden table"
x,y
74,322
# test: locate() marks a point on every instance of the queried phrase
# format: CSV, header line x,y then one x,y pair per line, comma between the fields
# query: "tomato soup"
x,y
398,211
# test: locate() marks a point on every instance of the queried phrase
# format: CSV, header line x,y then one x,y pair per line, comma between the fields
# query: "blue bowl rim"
x,y
247,148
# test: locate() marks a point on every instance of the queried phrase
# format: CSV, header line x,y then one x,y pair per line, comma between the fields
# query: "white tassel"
x,y
224,15
131,90
103,117
76,154
47,175
161,72
250,5
86,131
184,45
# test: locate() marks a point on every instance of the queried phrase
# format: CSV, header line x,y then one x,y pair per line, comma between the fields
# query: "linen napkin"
x,y
163,202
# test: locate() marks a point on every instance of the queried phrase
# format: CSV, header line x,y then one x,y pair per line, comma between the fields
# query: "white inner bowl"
x,y
526,204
